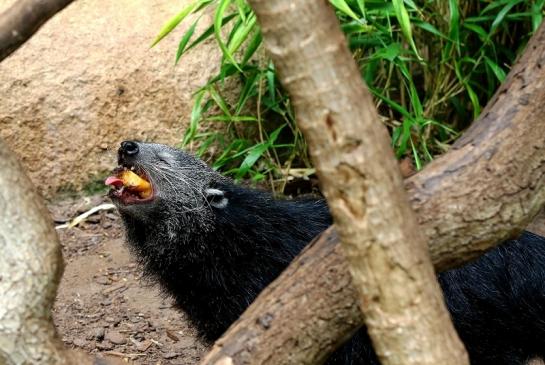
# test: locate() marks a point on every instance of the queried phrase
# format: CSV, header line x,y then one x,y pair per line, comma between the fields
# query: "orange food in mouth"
x,y
129,180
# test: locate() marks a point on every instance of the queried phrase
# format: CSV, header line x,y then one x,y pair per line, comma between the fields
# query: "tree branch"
x,y
19,22
30,270
485,190
386,252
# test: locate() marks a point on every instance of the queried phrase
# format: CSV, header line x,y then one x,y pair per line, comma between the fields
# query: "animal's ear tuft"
x,y
216,198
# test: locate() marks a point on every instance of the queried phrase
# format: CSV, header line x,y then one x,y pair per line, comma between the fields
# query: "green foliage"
x,y
432,66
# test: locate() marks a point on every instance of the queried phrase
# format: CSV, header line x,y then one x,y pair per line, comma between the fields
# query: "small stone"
x,y
80,342
143,346
99,333
104,346
103,280
183,343
115,337
170,355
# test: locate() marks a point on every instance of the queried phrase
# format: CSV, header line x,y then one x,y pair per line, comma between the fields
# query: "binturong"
x,y
214,245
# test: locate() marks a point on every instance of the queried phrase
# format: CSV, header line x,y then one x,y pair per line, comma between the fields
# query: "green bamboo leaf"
x,y
218,22
253,45
390,53
210,31
477,29
417,162
361,6
206,144
255,153
537,16
196,114
502,14
241,7
185,39
229,119
397,107
219,100
241,34
404,137
345,8
496,69
454,23
405,23
493,5
271,75
274,135
474,100
175,20
248,90
429,28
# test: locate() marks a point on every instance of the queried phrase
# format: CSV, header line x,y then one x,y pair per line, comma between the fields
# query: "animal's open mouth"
x,y
130,186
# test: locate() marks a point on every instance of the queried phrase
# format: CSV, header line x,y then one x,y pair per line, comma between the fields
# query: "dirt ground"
x,y
103,306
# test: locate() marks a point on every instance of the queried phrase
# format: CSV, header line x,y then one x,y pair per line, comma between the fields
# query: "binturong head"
x,y
153,179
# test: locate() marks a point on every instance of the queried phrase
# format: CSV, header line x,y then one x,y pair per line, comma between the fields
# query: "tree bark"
x,y
484,190
30,270
387,254
19,22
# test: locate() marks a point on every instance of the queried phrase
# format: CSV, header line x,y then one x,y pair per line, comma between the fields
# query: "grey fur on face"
x,y
181,183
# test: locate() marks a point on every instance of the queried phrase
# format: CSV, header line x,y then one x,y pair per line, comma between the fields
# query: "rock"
x,y
103,280
88,80
115,338
170,355
143,346
98,333
104,346
80,342
183,343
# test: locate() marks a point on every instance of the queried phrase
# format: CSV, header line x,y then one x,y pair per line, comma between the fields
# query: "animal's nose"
x,y
127,149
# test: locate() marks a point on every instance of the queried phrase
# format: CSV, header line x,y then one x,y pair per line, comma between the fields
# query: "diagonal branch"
x,y
19,22
486,189
386,252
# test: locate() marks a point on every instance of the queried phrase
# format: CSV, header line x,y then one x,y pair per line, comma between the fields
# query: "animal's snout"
x,y
128,149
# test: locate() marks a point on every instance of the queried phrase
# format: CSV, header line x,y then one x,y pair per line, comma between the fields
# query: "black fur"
x,y
214,259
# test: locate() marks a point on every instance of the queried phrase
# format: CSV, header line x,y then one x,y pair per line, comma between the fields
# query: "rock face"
x,y
88,80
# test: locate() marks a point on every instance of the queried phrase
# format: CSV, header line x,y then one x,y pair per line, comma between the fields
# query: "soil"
x,y
103,305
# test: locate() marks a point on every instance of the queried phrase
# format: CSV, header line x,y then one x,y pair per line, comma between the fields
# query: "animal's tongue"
x,y
114,181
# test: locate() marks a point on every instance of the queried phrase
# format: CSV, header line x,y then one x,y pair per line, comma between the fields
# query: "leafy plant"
x,y
431,65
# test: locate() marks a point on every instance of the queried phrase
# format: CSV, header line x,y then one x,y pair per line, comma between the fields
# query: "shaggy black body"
x,y
216,252
255,238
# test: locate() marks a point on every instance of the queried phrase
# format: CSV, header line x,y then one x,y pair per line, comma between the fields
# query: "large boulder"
x,y
87,80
